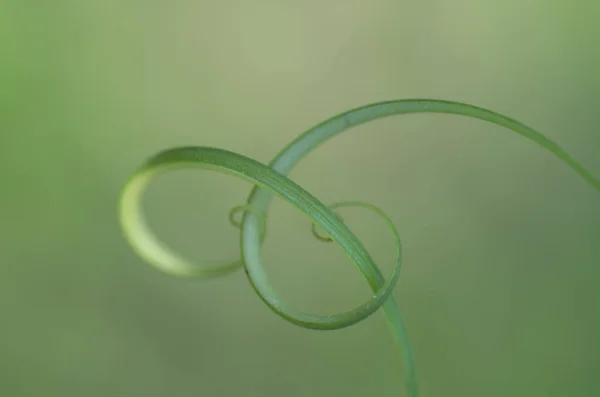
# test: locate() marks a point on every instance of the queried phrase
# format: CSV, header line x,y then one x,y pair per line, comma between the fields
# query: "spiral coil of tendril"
x,y
271,180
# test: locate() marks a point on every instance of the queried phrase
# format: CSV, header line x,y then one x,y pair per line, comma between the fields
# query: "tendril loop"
x,y
247,207
271,180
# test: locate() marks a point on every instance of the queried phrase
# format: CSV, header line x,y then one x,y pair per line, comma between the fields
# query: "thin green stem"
x,y
272,181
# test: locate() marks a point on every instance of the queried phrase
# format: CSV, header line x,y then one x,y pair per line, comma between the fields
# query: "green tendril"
x,y
314,227
271,180
247,207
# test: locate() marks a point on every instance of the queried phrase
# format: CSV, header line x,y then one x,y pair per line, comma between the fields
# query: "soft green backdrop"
x,y
500,287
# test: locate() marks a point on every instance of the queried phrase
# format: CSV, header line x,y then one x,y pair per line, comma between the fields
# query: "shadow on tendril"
x,y
271,180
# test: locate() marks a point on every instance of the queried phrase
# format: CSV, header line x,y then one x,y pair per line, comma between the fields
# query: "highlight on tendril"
x,y
271,181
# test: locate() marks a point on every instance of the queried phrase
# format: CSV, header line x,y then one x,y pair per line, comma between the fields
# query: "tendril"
x,y
315,232
271,180
247,207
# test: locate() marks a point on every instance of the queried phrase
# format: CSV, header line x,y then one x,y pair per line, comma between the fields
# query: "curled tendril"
x,y
271,180
247,207
315,232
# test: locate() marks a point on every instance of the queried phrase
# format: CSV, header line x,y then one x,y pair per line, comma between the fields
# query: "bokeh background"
x,y
500,287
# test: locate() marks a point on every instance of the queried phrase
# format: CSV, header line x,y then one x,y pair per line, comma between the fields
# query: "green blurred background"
x,y
500,287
